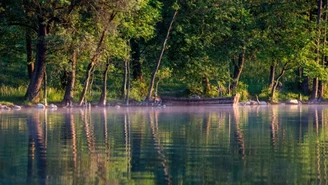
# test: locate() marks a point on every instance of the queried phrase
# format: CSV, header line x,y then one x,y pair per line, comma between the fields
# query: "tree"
x,y
315,86
284,38
153,76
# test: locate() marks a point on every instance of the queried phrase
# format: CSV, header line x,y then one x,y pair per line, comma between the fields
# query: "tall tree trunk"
x,y
33,90
323,59
91,65
127,100
305,85
136,64
207,85
126,82
29,53
153,76
68,97
276,82
95,58
102,101
238,68
272,74
45,87
87,80
314,94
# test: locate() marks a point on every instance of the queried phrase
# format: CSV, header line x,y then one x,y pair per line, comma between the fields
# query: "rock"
x,y
252,102
292,102
194,96
5,107
53,107
263,103
17,107
40,106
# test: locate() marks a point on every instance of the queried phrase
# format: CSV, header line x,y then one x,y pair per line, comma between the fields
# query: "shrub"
x,y
242,90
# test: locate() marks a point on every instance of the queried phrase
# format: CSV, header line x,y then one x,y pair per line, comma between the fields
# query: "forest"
x,y
77,51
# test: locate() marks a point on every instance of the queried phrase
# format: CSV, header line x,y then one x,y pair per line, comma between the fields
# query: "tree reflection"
x,y
71,134
127,133
153,122
238,133
241,145
37,149
274,127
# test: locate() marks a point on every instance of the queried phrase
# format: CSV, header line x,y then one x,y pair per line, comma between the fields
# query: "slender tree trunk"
x,y
238,68
305,85
92,78
68,97
125,80
207,85
33,90
276,82
323,59
136,64
272,73
45,87
29,53
103,99
95,58
91,66
156,88
314,94
87,80
127,99
153,76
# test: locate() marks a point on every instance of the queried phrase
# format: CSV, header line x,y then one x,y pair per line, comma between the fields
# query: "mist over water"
x,y
173,145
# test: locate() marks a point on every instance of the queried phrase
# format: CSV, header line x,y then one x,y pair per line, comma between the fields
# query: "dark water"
x,y
195,145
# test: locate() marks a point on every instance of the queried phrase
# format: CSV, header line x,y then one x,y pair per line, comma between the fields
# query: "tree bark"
x,y
207,85
153,76
276,82
29,53
323,59
305,85
314,93
272,73
45,87
127,98
69,94
238,68
33,90
94,60
103,99
125,80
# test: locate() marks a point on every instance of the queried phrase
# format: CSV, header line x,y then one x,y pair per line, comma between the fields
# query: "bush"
x,y
242,90
138,90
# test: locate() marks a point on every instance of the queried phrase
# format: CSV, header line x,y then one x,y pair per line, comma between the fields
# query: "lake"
x,y
173,145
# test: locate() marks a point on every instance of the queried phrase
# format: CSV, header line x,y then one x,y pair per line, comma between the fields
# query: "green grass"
x,y
12,94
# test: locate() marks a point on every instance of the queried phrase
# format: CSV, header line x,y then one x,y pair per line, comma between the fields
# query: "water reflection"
x,y
196,145
37,148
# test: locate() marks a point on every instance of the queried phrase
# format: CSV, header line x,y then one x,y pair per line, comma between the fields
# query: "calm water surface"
x,y
172,145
